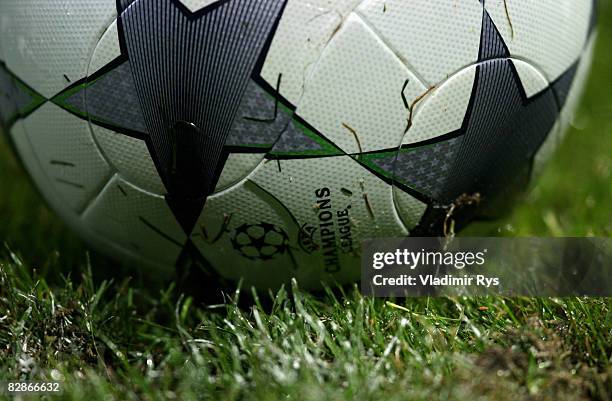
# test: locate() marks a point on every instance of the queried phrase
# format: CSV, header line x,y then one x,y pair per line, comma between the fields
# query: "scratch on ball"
x,y
366,199
411,106
354,132
509,19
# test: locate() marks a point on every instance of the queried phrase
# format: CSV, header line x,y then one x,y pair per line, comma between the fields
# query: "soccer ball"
x,y
265,139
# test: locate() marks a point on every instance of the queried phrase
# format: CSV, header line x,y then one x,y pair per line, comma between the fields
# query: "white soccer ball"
x,y
265,139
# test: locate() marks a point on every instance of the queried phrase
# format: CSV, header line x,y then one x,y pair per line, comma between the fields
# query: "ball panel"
x,y
63,144
196,5
106,50
105,244
323,206
259,121
23,147
491,151
354,95
533,81
549,34
435,38
112,99
222,236
130,158
17,99
443,109
49,42
237,168
368,198
19,138
303,33
137,221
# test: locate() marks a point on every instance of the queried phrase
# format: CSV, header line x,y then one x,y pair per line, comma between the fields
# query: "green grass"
x,y
126,338
115,341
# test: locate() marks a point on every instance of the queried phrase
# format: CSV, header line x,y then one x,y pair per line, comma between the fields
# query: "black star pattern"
x,y
182,90
491,155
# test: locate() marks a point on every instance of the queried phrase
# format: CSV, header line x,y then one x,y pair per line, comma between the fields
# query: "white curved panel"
x,y
70,158
50,41
106,50
305,30
434,37
195,5
358,84
550,34
533,81
137,221
443,110
130,157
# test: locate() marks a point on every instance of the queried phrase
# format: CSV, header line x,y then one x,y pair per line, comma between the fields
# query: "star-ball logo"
x,y
261,241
